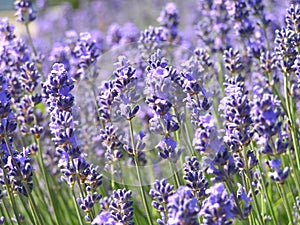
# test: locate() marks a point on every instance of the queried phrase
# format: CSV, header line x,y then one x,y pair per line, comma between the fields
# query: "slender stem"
x,y
76,206
31,200
285,202
291,118
141,186
42,168
270,206
6,213
248,178
175,175
11,197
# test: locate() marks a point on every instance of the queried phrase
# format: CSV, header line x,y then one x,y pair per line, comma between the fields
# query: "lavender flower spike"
x,y
218,208
183,207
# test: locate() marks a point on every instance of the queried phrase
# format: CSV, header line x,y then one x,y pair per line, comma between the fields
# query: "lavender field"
x,y
117,112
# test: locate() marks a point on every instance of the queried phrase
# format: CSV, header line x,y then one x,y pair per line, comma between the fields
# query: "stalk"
x,y
283,194
270,206
288,102
12,199
141,186
42,168
259,217
33,48
76,206
31,200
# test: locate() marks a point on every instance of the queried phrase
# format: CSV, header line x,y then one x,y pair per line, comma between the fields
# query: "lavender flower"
x,y
56,92
17,165
218,208
25,11
214,25
160,194
183,207
278,174
105,218
85,53
236,114
169,19
194,177
120,35
265,113
121,206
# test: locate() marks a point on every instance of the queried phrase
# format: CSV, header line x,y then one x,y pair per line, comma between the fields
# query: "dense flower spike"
x,y
237,114
278,175
25,11
218,208
85,53
183,207
160,194
265,113
16,169
121,206
169,19
105,218
194,177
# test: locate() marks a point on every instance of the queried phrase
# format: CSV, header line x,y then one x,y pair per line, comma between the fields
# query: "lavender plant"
x,y
151,115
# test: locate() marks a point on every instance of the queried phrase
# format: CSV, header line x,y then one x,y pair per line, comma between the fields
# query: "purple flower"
x,y
17,165
194,177
278,174
25,11
169,19
160,194
236,114
218,208
105,218
121,206
183,207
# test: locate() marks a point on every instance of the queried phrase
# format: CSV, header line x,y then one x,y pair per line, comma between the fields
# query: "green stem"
x,y
25,206
42,168
11,197
33,49
248,180
141,186
175,175
285,202
6,213
288,102
270,206
31,200
76,206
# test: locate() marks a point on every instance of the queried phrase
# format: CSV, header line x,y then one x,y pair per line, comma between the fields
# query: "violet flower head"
x,y
278,174
169,18
236,114
202,134
218,208
17,165
6,30
194,177
151,39
168,149
183,207
121,206
160,194
265,113
105,218
25,11
85,52
7,123
120,35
